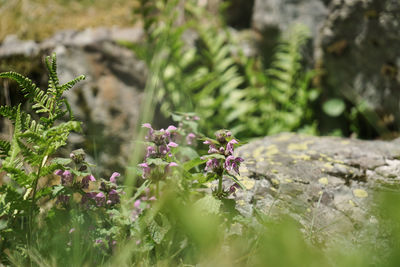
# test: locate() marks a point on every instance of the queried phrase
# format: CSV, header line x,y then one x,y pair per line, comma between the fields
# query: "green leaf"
x,y
208,204
193,163
334,107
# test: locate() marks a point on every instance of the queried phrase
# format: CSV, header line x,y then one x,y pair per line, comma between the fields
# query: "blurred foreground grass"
x,y
39,19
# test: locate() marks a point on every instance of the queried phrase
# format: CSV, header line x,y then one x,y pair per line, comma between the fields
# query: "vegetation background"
x,y
253,96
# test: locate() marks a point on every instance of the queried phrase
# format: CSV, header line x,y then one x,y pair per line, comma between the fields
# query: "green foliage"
x,y
26,156
225,87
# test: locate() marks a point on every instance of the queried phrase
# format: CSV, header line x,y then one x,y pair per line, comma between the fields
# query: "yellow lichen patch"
x,y
308,210
301,146
257,152
323,180
247,183
345,142
211,185
283,137
351,202
301,156
271,150
260,159
329,159
294,161
312,152
274,171
275,181
246,154
241,202
323,155
360,193
328,166
288,180
273,189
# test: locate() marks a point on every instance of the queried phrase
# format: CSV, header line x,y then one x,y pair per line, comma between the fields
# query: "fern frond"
x,y
51,65
4,148
70,84
30,90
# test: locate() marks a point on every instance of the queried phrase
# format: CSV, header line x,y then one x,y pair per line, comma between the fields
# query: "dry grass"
x,y
39,19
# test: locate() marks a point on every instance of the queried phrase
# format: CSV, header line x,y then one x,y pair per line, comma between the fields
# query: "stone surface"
x,y
281,14
325,183
358,48
355,45
107,102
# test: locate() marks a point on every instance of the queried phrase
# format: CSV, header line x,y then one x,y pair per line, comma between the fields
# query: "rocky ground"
x,y
327,184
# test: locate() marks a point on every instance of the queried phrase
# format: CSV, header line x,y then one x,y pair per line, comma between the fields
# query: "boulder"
x,y
327,184
355,45
107,102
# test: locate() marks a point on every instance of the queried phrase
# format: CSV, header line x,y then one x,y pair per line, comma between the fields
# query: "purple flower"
x,y
146,170
172,164
164,149
113,196
172,144
190,138
149,136
212,164
150,151
137,204
233,188
207,142
171,128
113,178
230,145
168,167
232,163
67,178
58,172
86,179
98,241
212,149
196,118
71,230
100,199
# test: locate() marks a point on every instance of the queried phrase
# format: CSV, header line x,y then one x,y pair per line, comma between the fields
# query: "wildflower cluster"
x,y
187,127
107,193
221,159
159,157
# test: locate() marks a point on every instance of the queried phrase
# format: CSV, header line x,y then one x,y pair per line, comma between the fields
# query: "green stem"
x,y
158,190
34,186
219,185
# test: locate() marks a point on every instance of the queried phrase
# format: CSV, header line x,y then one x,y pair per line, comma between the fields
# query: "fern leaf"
x,y
4,148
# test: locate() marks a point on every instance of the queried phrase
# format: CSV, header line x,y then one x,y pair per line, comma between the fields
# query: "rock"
x,y
327,184
281,14
358,48
107,102
355,44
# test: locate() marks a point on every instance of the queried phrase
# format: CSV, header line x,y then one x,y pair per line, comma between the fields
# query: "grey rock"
x,y
358,47
327,184
108,101
281,14
355,44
